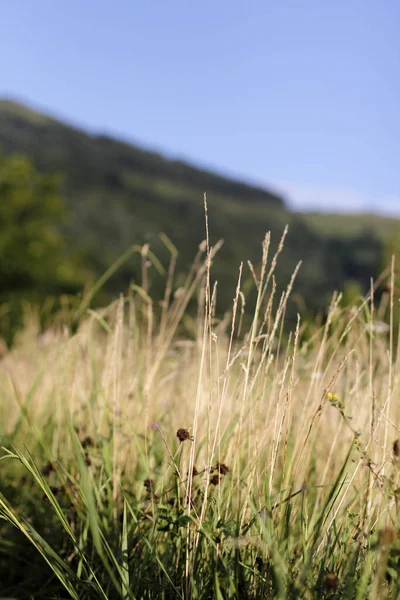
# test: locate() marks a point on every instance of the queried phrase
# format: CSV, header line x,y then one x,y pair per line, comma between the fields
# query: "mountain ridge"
x,y
18,111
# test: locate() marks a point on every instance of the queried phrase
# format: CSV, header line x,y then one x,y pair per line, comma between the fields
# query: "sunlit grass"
x,y
153,455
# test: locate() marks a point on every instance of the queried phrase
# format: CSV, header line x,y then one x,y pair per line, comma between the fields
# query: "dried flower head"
x,y
222,468
48,468
149,484
396,447
183,434
331,581
87,442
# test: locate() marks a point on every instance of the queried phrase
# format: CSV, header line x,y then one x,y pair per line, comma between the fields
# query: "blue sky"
x,y
302,97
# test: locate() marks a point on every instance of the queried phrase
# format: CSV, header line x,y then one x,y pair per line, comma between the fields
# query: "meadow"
x,y
153,454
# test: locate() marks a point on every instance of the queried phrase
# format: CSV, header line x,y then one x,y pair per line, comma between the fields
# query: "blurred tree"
x,y
34,258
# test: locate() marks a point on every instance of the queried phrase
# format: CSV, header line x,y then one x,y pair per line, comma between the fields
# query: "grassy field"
x,y
152,455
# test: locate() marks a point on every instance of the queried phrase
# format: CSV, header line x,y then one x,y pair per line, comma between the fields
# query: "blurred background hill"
x,y
108,194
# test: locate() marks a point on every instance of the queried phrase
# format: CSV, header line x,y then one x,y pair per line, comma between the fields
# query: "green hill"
x,y
351,225
118,194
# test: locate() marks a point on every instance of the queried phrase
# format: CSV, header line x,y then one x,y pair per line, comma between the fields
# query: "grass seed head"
x,y
215,479
222,468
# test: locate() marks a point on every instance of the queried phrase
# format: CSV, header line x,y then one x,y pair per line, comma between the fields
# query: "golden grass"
x,y
241,399
281,411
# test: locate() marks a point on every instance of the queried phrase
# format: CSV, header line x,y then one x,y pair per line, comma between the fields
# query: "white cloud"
x,y
336,200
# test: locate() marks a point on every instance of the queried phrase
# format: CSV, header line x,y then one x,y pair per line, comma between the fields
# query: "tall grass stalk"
x,y
144,459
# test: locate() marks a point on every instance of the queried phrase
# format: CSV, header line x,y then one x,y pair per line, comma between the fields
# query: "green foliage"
x,y
81,540
351,293
33,252
30,244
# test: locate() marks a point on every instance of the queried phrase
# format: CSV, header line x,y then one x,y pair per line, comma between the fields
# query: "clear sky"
x,y
300,96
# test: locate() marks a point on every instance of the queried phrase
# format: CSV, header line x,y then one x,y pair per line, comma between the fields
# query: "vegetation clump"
x,y
289,487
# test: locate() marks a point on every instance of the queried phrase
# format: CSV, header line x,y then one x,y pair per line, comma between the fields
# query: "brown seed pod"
x,y
183,434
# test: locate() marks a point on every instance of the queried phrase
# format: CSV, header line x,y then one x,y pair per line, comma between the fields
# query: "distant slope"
x,y
351,225
119,194
56,145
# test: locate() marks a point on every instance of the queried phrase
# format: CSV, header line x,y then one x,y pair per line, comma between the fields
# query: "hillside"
x,y
119,194
351,225
107,161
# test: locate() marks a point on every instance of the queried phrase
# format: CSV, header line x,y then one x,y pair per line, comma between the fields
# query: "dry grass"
x,y
291,438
